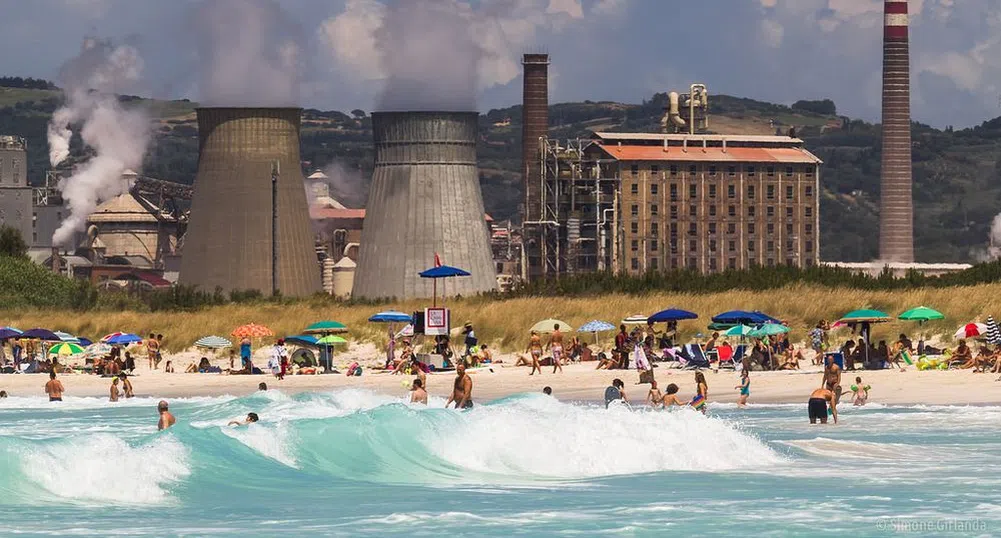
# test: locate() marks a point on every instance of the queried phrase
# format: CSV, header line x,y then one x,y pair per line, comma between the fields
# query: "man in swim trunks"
x,y
832,377
817,406
616,392
54,388
417,393
462,389
166,419
556,346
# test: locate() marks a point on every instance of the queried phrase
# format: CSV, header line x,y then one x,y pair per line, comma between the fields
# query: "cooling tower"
x,y
229,239
535,124
896,213
424,199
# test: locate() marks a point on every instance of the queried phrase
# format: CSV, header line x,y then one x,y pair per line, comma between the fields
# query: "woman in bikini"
x,y
535,350
702,398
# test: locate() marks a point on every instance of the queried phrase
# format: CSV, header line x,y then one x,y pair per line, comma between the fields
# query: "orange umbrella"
x,y
252,330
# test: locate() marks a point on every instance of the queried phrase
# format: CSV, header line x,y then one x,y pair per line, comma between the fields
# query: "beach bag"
x,y
646,376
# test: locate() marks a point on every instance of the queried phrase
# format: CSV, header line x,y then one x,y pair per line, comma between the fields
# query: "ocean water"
x,y
354,463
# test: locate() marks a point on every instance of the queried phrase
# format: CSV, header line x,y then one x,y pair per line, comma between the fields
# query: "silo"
x,y
424,199
896,210
229,239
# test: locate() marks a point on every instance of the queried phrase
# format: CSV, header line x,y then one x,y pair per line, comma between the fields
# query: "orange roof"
x,y
710,154
321,213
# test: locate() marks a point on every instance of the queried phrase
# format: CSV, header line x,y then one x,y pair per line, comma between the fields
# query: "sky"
x,y
341,52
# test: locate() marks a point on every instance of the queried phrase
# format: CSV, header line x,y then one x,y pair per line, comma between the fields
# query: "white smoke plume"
x,y
115,137
249,53
343,183
994,242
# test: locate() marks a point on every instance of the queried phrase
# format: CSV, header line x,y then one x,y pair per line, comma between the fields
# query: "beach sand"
x,y
577,382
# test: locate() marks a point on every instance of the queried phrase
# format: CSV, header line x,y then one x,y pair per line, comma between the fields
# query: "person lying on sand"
x,y
605,363
251,418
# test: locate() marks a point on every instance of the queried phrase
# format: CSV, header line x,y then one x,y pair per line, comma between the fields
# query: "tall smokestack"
x,y
535,124
424,200
896,212
229,240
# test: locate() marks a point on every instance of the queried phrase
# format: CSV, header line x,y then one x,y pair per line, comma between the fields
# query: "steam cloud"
x,y
994,245
249,53
118,137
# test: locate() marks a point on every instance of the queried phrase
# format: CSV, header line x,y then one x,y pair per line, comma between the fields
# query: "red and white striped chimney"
x,y
896,218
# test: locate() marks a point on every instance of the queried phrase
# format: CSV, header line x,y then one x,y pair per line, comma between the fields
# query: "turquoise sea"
x,y
353,463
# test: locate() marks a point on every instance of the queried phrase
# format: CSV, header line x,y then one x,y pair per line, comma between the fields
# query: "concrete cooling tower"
x,y
229,239
424,199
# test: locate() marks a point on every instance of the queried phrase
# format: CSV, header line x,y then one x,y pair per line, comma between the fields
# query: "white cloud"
x,y
568,7
771,33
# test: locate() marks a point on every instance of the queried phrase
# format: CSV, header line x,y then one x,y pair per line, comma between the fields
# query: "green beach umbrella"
x,y
739,330
65,349
769,329
921,314
331,339
326,327
860,316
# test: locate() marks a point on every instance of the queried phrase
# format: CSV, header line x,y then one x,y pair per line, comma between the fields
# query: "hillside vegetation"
x,y
957,173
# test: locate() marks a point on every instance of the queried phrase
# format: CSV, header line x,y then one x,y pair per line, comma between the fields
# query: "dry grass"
x,y
504,323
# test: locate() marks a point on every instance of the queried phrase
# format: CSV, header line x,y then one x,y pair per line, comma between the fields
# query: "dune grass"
x,y
504,323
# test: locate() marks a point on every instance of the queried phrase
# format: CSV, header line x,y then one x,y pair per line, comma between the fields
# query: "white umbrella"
x,y
635,319
213,342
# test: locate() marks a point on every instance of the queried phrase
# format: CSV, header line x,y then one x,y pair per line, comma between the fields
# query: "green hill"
x,y
956,172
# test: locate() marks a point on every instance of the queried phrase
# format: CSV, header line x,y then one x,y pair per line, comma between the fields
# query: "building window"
x,y
808,212
771,246
692,246
789,212
634,170
636,264
750,171
674,211
770,171
692,228
653,209
654,171
712,191
770,211
712,264
731,171
712,245
731,191
693,192
789,245
635,245
750,228
674,246
674,169
653,263
809,171
790,262
788,171
808,191
750,211
731,228
712,170
653,189
732,211
809,246
789,193
732,263
770,192
34,237
692,170
750,192
771,262
732,246
789,229
674,263
674,192
808,229
634,228
635,210
654,228
712,228
750,246
693,211
653,246
770,229
712,211
692,264
634,188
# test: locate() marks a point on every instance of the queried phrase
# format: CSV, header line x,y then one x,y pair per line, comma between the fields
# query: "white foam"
x,y
275,442
103,468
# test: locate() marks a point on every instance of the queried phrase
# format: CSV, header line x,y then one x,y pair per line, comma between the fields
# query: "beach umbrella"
x,y
84,341
407,331
100,349
213,342
302,340
865,316
921,314
391,316
65,349
124,339
596,326
9,332
993,334
66,337
330,340
326,327
441,271
41,334
743,317
739,330
972,330
672,314
635,319
252,330
119,334
769,329
546,326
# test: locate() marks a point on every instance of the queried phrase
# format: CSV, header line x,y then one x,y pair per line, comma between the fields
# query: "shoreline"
x,y
578,382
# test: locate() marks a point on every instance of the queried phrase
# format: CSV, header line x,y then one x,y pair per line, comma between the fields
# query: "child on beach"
x,y
654,396
861,392
671,398
745,388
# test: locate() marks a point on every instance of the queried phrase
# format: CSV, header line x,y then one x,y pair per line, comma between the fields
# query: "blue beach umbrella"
x,y
441,271
672,314
67,337
391,316
124,339
596,327
9,332
41,334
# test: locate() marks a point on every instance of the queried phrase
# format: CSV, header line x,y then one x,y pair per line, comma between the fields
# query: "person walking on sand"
x,y
745,388
245,355
535,350
151,348
126,385
462,389
556,347
417,392
54,388
702,397
166,419
817,405
115,393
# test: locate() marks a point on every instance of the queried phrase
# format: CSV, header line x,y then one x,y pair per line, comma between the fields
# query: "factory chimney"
x,y
535,124
233,232
896,213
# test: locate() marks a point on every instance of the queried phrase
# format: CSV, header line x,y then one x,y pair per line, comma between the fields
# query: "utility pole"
x,y
275,173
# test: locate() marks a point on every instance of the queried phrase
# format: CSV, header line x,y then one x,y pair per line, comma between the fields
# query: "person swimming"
x,y
166,419
251,418
548,391
417,392
615,392
702,397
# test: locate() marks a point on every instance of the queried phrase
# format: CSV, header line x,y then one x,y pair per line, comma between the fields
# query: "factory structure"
x,y
896,210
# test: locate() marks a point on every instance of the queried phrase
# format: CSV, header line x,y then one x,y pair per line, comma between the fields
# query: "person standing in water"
x,y
417,393
615,392
832,377
556,346
861,392
702,397
166,419
126,385
462,389
535,350
655,397
817,405
745,388
115,393
54,388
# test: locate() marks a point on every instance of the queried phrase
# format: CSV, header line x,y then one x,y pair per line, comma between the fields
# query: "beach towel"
x,y
639,356
698,402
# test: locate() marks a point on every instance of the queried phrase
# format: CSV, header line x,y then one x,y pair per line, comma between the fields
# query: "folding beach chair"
x,y
694,357
727,357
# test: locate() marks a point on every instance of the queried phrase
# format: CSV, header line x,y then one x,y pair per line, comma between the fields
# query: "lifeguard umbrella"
x,y
672,314
440,272
547,325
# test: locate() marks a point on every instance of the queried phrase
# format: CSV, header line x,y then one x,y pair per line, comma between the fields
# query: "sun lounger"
x,y
693,356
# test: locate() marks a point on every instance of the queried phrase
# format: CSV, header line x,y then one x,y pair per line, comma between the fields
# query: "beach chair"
x,y
695,357
839,358
727,357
